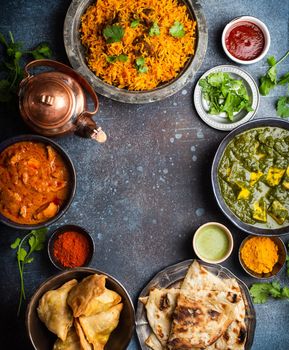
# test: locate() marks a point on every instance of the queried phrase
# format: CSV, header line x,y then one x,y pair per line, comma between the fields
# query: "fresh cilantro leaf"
x,y
140,61
177,30
266,85
154,30
134,23
260,292
143,69
41,51
36,240
21,254
284,79
283,106
16,243
276,285
225,94
121,58
285,292
113,33
111,59
140,65
269,80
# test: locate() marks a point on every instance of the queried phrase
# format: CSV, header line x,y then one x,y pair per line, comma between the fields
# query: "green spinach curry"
x,y
253,176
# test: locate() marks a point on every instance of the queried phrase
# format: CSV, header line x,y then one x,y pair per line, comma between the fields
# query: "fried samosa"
x,y
70,343
97,328
54,311
91,296
83,341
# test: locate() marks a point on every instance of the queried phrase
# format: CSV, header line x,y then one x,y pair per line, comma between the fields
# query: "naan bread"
x,y
70,343
197,277
97,328
160,306
91,296
54,311
153,342
199,320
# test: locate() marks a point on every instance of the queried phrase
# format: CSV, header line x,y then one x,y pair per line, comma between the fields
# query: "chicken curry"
x,y
34,182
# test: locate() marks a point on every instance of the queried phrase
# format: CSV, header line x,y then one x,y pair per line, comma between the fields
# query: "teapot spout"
x,y
87,127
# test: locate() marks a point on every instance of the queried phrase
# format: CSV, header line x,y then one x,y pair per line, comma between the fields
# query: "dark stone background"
x,y
144,192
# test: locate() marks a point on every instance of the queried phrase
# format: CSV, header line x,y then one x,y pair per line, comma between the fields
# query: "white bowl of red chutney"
x,y
246,40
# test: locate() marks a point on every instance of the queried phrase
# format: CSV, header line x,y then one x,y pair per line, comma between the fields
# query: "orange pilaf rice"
x,y
164,54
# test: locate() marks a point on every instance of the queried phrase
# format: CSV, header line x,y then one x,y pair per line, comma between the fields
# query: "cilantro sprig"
x,y
113,33
140,65
32,242
120,58
11,67
177,30
261,292
269,80
225,94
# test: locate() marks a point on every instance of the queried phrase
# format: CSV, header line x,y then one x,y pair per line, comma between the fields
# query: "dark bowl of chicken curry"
x,y
250,177
37,182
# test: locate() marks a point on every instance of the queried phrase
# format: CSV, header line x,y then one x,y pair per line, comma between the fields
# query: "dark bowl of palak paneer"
x,y
250,177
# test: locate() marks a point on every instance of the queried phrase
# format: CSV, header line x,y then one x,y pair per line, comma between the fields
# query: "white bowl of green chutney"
x,y
213,242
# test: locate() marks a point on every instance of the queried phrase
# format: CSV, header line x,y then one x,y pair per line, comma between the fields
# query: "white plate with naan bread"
x,y
195,305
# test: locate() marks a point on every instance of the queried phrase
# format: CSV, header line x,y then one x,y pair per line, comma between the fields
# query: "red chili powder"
x,y
71,249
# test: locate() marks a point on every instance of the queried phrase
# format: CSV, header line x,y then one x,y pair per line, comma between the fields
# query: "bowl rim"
x,y
64,228
72,46
228,234
39,138
244,227
264,30
90,270
252,273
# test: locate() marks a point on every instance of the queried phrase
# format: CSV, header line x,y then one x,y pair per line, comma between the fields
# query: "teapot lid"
x,y
51,99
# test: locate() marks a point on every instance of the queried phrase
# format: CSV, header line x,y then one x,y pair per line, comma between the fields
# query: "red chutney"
x,y
245,41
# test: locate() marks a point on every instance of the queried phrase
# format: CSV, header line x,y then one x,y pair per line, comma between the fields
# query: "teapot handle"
x,y
91,129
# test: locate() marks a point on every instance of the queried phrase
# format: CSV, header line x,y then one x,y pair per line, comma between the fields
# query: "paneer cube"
x,y
274,176
260,211
244,193
254,177
278,212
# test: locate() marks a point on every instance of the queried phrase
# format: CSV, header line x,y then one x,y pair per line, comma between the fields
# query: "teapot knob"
x,y
47,100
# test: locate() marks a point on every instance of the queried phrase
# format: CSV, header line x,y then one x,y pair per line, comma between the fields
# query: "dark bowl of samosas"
x,y
81,308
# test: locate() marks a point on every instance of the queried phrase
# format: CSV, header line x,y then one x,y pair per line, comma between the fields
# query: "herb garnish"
x,y
121,58
177,30
225,94
260,292
11,65
113,33
134,23
154,30
35,239
140,65
283,106
269,80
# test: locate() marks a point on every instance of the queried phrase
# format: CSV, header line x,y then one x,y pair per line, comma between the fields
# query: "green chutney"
x,y
212,243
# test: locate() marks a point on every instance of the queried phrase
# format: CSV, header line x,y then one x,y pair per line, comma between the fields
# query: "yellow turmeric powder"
x,y
260,254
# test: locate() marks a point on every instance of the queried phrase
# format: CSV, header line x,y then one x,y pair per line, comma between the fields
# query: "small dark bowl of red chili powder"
x,y
70,246
246,40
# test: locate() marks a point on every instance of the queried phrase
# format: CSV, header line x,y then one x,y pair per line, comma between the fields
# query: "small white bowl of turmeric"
x,y
262,257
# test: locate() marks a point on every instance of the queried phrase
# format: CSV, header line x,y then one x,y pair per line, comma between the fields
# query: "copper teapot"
x,y
53,103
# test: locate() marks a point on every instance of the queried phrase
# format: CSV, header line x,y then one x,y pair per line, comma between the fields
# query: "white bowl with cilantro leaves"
x,y
226,96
